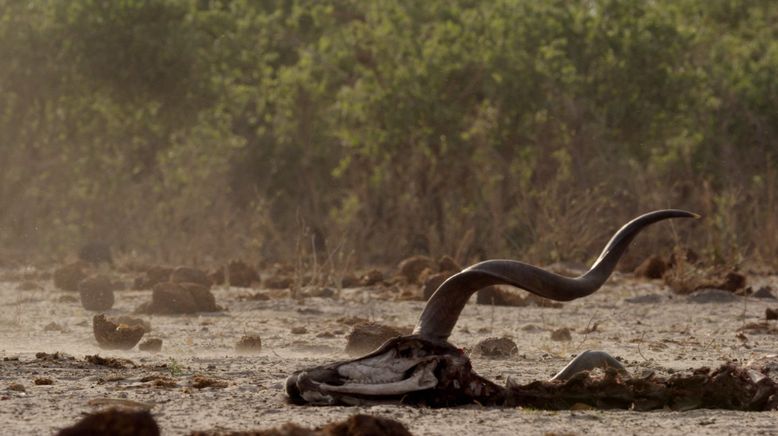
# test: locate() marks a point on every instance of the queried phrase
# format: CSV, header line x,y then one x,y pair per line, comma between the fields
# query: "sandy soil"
x,y
665,333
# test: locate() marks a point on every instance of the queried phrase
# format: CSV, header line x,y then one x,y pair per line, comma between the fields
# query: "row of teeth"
x,y
374,380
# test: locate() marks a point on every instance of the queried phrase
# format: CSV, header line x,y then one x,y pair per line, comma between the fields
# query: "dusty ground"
x,y
667,333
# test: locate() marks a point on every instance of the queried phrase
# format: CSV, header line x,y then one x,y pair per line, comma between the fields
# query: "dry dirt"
x,y
200,382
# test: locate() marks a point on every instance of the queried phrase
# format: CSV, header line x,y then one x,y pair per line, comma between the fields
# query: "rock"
x,y
372,277
69,276
96,293
184,274
95,252
366,337
43,381
412,267
653,267
249,344
113,336
496,348
561,334
241,275
114,422
432,284
298,330
771,314
447,264
151,345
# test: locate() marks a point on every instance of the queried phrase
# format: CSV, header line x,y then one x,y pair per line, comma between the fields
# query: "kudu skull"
x,y
425,368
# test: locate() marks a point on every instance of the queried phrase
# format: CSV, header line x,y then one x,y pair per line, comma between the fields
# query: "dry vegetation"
x,y
364,132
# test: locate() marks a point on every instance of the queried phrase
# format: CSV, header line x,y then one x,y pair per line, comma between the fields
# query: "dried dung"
x,y
184,274
114,422
202,382
96,293
151,345
432,284
654,267
113,336
356,425
561,334
412,267
498,348
368,336
69,276
241,274
249,344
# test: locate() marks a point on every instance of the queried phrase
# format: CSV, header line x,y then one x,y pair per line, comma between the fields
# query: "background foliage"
x,y
186,128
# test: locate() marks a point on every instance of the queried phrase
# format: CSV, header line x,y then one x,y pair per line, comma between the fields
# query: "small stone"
x,y
151,345
299,330
43,381
771,314
561,334
249,344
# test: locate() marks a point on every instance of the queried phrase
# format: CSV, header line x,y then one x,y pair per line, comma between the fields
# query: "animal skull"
x,y
425,368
